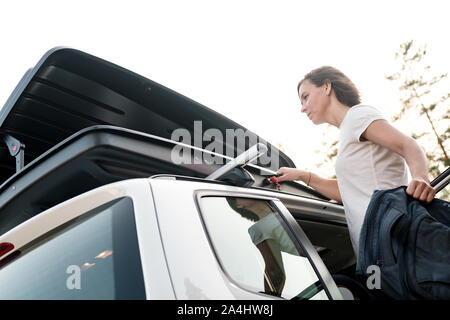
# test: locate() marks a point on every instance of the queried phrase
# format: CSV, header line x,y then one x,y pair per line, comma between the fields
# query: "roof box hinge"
x,y
16,149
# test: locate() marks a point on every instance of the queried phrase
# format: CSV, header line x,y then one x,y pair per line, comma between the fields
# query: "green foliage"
x,y
418,91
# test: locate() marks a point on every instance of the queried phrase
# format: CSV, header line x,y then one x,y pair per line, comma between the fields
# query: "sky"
x,y
240,58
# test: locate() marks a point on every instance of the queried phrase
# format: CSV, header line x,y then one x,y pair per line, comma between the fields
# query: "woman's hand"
x,y
289,174
420,189
328,187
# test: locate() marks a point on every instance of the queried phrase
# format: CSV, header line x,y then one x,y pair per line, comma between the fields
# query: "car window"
x,y
332,243
255,250
94,256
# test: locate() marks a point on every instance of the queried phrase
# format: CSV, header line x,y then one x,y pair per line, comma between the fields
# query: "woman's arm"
x,y
384,134
327,187
274,276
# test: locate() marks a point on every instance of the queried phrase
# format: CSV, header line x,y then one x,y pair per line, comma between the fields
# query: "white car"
x,y
92,205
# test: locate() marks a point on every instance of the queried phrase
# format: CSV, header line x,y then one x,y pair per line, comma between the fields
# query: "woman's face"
x,y
315,100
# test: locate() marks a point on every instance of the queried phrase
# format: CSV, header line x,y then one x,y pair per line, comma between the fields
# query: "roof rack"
x,y
241,160
99,155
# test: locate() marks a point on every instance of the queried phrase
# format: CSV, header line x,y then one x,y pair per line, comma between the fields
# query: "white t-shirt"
x,y
363,166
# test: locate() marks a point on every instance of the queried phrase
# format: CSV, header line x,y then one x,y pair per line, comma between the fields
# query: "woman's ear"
x,y
327,87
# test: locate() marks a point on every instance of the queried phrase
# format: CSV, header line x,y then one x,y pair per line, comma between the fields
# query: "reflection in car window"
x,y
95,256
254,249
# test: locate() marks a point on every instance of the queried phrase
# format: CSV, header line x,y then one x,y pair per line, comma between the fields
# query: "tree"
x,y
418,95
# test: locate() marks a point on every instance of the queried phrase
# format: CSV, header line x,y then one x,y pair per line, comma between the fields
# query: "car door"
x,y
217,249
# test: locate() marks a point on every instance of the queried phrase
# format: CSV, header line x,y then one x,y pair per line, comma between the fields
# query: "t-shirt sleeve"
x,y
258,234
359,119
263,229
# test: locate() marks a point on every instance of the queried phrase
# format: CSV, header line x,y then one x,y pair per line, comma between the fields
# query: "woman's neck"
x,y
262,209
337,114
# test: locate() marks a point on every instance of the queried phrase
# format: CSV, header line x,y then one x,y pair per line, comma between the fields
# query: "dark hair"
x,y
344,89
243,212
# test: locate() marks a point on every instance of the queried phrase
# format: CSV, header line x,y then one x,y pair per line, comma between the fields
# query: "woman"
x,y
372,153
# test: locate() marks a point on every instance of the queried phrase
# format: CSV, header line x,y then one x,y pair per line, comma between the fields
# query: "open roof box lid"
x,y
69,90
86,122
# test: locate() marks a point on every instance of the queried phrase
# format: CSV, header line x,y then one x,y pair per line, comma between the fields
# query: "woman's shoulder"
x,y
356,121
364,110
363,107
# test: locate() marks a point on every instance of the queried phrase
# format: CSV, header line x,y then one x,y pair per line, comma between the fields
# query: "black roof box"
x,y
69,90
99,155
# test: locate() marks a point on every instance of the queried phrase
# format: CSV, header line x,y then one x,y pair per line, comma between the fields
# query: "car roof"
x,y
100,155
